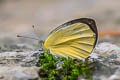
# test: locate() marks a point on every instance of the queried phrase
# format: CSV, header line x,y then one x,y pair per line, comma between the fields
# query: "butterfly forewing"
x,y
76,39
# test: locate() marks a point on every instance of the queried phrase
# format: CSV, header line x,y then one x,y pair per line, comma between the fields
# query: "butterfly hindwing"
x,y
76,39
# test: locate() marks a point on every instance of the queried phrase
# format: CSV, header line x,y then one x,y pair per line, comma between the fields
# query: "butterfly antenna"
x,y
35,32
27,37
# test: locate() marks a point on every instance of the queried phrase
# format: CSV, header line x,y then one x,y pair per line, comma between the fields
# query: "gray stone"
x,y
116,75
108,61
18,73
20,65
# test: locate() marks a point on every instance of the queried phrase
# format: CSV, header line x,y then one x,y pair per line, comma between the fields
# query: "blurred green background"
x,y
17,16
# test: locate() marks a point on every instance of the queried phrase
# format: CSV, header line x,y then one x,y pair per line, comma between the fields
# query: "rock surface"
x,y
20,65
18,73
108,62
20,58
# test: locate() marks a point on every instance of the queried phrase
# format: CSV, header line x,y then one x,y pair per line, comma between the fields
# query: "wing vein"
x,y
72,40
87,53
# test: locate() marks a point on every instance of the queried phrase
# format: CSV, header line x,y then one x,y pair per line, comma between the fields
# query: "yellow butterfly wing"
x,y
76,39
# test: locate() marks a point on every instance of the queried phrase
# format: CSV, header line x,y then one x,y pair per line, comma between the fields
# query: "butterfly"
x,y
76,39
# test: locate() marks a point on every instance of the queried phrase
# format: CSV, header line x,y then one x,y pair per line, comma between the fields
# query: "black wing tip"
x,y
84,19
89,21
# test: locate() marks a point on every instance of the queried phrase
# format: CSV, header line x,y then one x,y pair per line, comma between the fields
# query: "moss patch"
x,y
59,68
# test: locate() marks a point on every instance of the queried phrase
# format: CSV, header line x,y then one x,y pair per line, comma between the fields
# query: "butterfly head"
x,y
41,42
